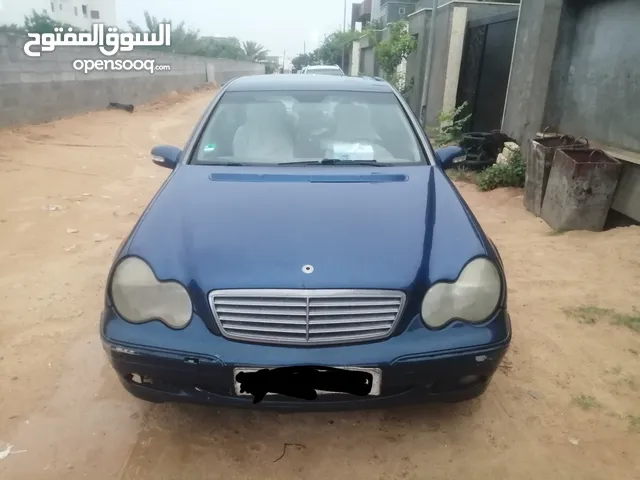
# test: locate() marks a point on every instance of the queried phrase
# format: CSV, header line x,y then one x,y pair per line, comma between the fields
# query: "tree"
x,y
334,46
254,51
270,67
304,60
42,23
391,52
36,23
183,40
330,52
224,47
13,28
189,42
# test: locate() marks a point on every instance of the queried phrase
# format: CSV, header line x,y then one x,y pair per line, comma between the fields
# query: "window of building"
x,y
60,6
401,10
53,7
95,14
75,9
84,10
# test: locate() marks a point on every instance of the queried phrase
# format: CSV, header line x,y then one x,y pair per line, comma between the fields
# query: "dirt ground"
x,y
565,404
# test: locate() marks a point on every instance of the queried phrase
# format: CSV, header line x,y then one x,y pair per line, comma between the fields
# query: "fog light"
x,y
468,379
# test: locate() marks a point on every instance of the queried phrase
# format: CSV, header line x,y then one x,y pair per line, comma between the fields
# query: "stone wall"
x,y
40,89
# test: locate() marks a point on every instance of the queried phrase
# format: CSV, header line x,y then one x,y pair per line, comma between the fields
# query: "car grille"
x,y
306,316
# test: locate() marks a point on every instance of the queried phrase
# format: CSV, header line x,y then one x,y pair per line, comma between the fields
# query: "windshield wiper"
x,y
335,161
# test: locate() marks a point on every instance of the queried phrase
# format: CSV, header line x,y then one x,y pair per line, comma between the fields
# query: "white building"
x,y
79,13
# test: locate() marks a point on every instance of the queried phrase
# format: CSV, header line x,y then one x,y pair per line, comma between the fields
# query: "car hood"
x,y
256,227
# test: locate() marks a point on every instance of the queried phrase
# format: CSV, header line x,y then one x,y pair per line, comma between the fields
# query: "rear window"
x,y
273,127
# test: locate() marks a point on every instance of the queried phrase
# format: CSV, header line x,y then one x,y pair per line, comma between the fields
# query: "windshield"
x,y
274,128
325,71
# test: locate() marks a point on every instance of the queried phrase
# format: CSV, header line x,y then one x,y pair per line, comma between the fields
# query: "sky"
x,y
278,25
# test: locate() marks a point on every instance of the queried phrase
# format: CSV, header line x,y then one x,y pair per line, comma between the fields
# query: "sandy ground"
x,y
565,404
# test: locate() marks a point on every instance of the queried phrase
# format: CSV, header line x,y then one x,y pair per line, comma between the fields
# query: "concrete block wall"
x,y
40,89
419,25
575,69
593,87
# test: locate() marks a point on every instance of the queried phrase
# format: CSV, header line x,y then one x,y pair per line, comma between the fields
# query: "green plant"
x,y
371,32
304,60
634,423
35,23
13,28
335,45
270,68
510,174
586,402
402,85
186,41
392,51
631,321
254,51
42,23
451,126
590,314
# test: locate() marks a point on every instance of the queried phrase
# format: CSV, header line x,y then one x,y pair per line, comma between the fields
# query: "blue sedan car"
x,y
306,252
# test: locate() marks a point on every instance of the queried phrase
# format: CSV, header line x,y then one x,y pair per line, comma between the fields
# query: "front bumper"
x,y
155,370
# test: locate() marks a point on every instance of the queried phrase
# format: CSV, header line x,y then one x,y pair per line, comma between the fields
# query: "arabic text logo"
x,y
108,43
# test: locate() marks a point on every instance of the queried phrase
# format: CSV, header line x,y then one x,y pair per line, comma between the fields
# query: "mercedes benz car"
x,y
307,251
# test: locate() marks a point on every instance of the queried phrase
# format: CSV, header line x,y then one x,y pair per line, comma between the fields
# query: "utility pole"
x,y
304,48
344,29
427,70
284,60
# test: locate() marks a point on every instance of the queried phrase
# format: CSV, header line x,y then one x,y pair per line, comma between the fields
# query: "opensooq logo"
x,y
108,43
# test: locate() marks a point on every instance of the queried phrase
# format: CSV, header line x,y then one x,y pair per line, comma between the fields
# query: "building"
x,y
79,13
381,11
392,11
360,13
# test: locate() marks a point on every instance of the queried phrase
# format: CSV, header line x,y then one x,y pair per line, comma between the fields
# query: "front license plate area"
x,y
332,375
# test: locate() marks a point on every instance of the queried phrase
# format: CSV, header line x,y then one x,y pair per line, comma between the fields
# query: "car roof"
x,y
291,81
323,67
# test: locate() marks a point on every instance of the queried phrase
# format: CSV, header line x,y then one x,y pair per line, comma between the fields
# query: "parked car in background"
x,y
320,256
323,70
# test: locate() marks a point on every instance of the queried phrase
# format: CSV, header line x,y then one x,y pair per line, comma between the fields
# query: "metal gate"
x,y
486,64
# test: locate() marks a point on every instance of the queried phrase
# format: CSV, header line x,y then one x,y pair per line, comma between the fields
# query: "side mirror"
x,y
447,155
166,156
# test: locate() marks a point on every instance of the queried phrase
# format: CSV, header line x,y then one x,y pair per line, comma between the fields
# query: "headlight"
x,y
139,297
473,297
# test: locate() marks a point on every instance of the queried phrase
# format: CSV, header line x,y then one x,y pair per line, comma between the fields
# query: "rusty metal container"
x,y
580,189
538,161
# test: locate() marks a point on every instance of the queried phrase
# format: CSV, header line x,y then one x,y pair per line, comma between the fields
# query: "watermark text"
x,y
109,40
119,65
